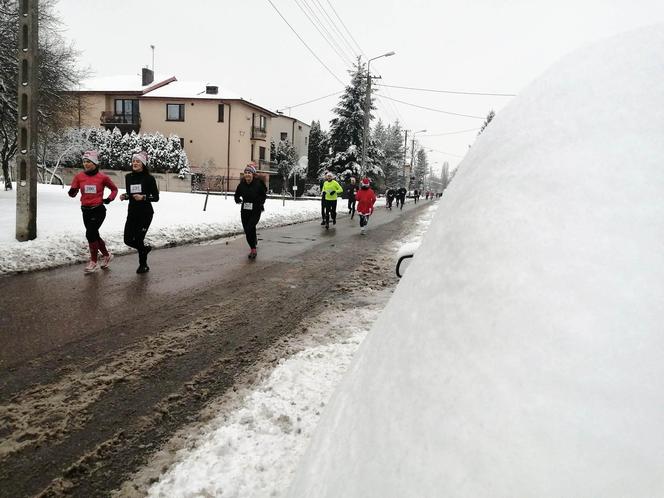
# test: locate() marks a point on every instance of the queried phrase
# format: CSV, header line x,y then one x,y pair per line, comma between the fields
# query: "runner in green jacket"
x,y
331,189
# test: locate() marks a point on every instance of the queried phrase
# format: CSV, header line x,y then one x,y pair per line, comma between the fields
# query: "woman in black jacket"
x,y
251,192
141,192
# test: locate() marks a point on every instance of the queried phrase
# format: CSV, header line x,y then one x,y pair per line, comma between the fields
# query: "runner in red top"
x,y
91,183
366,198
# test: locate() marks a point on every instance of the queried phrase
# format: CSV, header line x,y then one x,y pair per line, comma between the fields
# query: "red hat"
x,y
366,182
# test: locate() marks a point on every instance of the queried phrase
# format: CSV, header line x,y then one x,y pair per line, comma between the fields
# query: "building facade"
x,y
220,132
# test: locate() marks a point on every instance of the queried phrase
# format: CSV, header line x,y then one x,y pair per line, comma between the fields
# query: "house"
x,y
220,131
293,130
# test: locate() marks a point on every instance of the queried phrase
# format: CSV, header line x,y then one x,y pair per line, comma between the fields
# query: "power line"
x,y
326,36
446,153
448,91
305,43
450,133
345,27
335,27
434,110
313,100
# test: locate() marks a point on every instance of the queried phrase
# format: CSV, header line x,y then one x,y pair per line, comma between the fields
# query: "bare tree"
x,y
58,76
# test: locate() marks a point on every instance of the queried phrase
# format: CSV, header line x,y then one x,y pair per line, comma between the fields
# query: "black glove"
x,y
238,202
107,201
72,192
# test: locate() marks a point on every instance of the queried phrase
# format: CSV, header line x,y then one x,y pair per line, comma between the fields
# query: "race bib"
x,y
248,205
90,189
135,188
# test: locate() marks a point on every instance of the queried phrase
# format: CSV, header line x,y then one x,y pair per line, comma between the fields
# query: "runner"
x,y
401,197
331,190
351,190
366,198
389,198
91,183
141,192
416,195
251,192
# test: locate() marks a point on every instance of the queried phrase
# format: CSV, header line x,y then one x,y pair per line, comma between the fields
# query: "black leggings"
x,y
364,220
136,227
351,205
92,219
330,209
250,219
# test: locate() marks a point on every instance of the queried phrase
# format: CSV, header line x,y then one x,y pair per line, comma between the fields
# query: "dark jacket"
x,y
254,193
401,193
351,190
145,184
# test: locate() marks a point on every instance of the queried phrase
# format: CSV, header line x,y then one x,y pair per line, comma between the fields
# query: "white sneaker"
x,y
91,267
105,260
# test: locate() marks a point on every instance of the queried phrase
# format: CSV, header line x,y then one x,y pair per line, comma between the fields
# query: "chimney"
x,y
147,76
212,90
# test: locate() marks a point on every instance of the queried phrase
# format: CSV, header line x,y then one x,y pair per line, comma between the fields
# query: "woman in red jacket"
x,y
91,183
366,198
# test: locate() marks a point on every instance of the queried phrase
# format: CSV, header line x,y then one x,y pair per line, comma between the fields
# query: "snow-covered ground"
x,y
179,218
252,446
521,354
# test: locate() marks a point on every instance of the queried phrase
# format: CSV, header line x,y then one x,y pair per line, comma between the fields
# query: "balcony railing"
x,y
126,123
258,133
265,166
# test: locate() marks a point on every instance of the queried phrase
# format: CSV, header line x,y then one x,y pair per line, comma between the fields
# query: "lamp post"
x,y
367,106
412,152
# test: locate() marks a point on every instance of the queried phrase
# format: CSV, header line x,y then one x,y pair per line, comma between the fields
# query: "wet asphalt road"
x,y
97,370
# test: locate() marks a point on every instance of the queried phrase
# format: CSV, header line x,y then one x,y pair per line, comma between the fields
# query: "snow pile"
x,y
254,450
521,355
179,218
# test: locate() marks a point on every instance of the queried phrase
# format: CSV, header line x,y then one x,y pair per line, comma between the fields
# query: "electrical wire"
x,y
310,101
335,27
451,133
434,110
326,36
346,28
305,43
448,91
330,35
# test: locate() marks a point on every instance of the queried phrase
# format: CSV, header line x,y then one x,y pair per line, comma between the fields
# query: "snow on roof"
x,y
120,83
191,90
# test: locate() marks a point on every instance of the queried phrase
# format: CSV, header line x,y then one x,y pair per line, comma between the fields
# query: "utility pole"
x,y
406,183
26,158
367,109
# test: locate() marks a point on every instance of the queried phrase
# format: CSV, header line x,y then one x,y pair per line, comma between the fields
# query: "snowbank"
x,y
521,354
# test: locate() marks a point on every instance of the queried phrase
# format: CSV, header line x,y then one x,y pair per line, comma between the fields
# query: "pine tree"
x,y
347,129
488,119
421,167
317,153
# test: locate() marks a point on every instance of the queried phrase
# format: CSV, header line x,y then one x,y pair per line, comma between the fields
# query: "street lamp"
x,y
367,106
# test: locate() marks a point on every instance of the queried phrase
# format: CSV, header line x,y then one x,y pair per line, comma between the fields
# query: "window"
x,y
284,135
220,119
182,143
126,110
262,122
299,127
306,141
261,153
174,112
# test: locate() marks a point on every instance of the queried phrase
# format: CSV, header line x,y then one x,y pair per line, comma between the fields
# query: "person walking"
x,y
331,189
416,195
389,198
141,192
251,193
366,198
351,190
91,183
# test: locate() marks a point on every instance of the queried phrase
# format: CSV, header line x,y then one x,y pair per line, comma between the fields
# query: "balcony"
x,y
267,166
126,123
258,133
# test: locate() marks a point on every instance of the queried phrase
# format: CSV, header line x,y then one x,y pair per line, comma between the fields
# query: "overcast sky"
x,y
489,46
